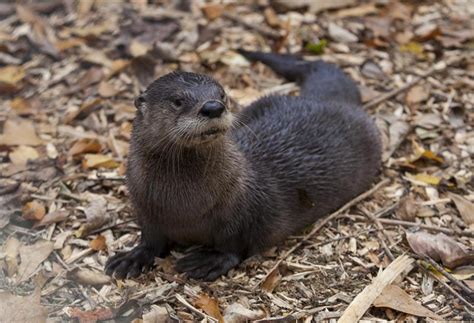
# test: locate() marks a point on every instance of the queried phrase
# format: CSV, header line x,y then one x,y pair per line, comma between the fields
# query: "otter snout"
x,y
212,109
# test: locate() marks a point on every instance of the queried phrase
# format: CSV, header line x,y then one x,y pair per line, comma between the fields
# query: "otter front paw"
x,y
130,264
207,264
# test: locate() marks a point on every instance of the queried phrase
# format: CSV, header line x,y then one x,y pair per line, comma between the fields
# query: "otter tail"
x,y
319,80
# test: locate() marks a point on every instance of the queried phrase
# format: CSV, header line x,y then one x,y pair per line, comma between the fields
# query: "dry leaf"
x,y
465,208
86,109
237,313
22,308
209,305
137,48
51,217
440,247
340,34
423,179
157,314
271,281
33,210
271,17
22,154
19,132
98,161
96,214
98,243
398,130
117,66
396,298
89,277
92,76
11,249
407,209
85,145
10,79
463,273
31,257
107,90
213,11
24,107
99,314
417,94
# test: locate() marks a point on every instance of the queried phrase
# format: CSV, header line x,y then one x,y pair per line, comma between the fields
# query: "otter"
x,y
238,183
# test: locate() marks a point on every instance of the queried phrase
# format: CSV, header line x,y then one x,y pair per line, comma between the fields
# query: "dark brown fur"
x,y
285,162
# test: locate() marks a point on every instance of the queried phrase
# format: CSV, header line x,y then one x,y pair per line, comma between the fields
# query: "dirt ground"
x,y
69,71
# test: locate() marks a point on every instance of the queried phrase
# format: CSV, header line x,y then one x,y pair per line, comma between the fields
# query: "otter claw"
x,y
207,264
130,264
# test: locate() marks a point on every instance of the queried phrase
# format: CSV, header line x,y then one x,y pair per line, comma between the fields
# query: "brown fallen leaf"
x,y
43,35
89,277
107,90
396,298
137,48
210,306
22,154
92,76
33,210
440,247
85,145
19,132
84,111
96,214
271,281
31,257
417,94
22,308
51,217
271,17
213,10
98,243
407,209
237,313
465,208
98,161
117,66
157,314
24,107
10,79
63,45
99,314
11,249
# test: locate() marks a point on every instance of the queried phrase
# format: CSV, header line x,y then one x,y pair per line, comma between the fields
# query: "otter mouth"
x,y
210,134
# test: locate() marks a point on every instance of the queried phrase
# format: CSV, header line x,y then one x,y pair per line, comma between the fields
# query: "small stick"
x,y
192,308
263,30
438,67
321,224
381,234
425,226
462,299
450,277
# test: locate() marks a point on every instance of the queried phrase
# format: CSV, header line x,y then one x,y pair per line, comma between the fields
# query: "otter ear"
x,y
140,103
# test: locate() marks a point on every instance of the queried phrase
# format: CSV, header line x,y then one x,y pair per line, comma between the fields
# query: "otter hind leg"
x,y
207,264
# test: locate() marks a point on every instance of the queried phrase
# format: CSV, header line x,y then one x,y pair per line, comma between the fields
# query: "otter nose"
x,y
212,109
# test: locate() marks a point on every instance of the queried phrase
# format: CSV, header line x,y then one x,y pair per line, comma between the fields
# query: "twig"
x,y
438,67
321,224
381,234
263,30
112,226
428,227
361,303
449,288
450,277
192,308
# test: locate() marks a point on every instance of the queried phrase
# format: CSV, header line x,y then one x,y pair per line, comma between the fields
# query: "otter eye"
x,y
178,102
223,96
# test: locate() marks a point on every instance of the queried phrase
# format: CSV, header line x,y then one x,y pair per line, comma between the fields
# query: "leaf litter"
x,y
69,72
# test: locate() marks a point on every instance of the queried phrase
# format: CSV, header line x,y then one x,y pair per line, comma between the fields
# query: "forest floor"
x,y
68,75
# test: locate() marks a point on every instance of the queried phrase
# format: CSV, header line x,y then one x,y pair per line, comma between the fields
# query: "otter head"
x,y
184,108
